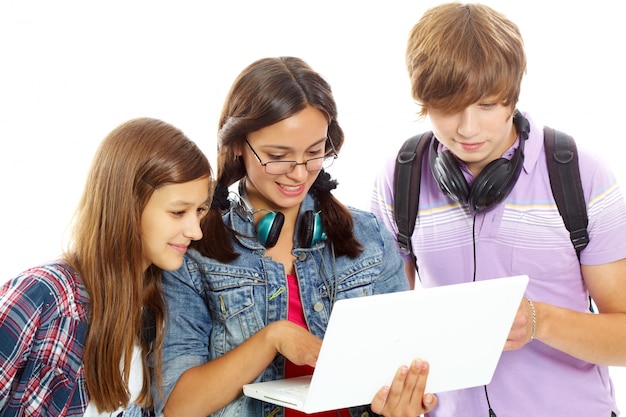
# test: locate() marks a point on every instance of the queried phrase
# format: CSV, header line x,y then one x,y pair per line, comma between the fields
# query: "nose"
x,y
299,172
468,125
193,230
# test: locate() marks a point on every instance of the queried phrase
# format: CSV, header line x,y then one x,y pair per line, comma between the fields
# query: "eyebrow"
x,y
188,203
284,147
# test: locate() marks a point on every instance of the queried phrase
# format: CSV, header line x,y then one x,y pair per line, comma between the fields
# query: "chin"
x,y
170,265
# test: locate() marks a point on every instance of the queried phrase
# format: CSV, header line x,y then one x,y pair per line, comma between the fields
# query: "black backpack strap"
x,y
406,191
566,186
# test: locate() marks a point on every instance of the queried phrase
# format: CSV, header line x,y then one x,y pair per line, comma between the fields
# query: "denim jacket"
x,y
213,307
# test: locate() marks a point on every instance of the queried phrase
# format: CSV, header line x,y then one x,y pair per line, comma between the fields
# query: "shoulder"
x,y
190,272
598,180
360,215
595,171
590,159
49,288
366,224
591,162
39,284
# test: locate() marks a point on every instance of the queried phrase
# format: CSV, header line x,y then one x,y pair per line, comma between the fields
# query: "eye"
x,y
178,213
488,105
276,157
316,152
202,211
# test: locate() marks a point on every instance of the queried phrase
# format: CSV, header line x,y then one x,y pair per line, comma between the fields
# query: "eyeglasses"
x,y
285,167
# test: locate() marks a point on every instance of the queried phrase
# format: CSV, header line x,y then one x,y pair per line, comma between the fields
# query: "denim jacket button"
x,y
302,256
318,306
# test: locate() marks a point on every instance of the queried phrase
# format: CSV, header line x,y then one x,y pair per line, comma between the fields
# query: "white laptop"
x,y
459,329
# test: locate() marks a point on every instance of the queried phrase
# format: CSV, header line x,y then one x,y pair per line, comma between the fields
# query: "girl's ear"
x,y
237,150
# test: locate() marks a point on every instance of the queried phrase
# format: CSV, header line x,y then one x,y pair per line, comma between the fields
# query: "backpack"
x,y
562,159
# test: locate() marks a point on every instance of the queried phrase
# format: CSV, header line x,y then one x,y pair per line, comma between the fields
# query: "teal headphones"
x,y
309,230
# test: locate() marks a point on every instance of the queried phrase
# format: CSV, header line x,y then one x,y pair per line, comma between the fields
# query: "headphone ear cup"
x,y
448,175
496,181
269,227
306,229
490,186
310,230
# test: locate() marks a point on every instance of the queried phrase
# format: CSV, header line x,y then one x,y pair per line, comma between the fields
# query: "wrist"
x,y
271,336
533,318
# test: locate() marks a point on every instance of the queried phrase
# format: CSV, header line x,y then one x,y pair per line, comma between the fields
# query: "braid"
x,y
323,184
220,197
336,218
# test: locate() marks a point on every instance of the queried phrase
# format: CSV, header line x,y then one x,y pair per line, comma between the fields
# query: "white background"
x,y
70,71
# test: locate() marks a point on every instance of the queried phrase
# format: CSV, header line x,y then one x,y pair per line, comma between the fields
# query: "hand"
x,y
294,342
405,397
522,329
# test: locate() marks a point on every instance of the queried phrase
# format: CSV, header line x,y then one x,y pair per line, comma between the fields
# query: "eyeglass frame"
x,y
294,164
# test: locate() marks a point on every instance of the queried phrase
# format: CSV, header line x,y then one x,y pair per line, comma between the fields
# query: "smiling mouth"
x,y
290,187
179,248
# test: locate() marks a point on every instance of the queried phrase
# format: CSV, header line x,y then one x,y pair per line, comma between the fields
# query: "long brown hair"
x,y
106,249
267,91
460,53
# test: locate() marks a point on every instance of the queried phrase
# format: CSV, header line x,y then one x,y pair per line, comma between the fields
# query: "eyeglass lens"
x,y
285,167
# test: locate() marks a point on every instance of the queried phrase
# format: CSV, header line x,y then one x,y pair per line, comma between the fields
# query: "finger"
x,y
415,383
378,403
310,359
430,401
406,395
397,387
422,368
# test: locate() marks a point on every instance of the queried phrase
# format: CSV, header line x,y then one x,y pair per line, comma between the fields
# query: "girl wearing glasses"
x,y
75,333
253,297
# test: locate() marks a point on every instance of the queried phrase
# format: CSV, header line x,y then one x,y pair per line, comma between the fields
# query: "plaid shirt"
x,y
43,326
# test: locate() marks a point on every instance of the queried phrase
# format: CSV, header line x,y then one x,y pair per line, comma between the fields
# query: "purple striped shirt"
x,y
522,235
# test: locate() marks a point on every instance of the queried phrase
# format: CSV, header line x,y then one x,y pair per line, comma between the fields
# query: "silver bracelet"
x,y
532,308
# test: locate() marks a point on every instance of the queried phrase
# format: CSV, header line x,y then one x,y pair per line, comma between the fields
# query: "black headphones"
x,y
494,182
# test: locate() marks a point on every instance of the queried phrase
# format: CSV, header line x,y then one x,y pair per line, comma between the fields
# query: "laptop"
x,y
459,329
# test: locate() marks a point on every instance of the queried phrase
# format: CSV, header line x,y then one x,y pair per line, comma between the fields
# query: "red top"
x,y
296,315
